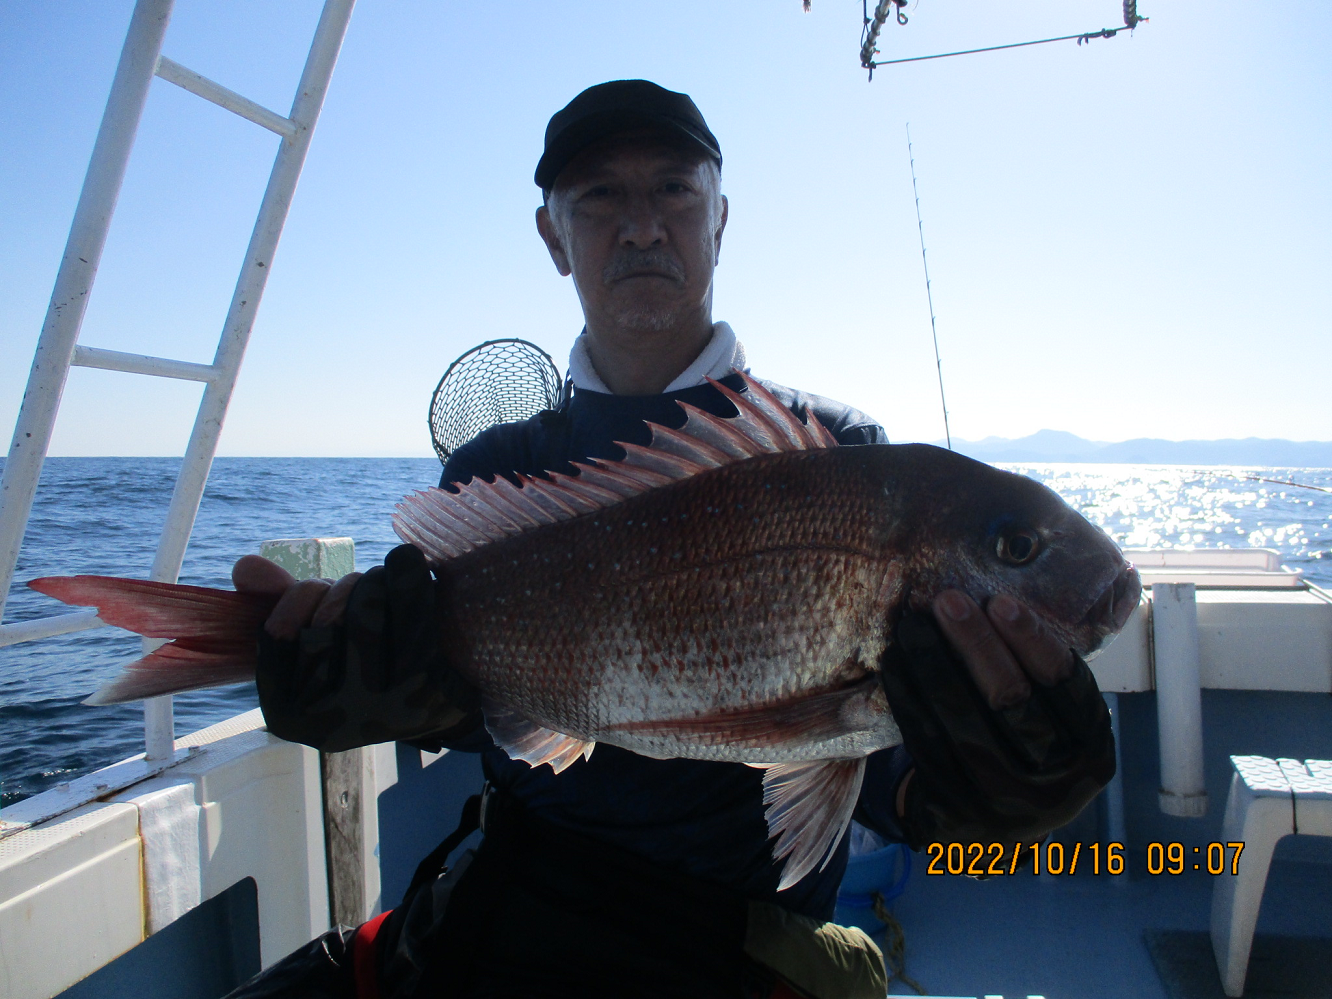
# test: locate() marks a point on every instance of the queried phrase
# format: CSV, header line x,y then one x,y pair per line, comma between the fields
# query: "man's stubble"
x,y
647,317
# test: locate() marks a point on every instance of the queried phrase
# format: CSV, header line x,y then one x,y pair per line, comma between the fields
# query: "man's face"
x,y
638,223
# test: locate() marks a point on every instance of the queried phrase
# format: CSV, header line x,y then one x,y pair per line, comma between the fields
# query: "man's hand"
x,y
302,603
1004,647
357,661
1007,728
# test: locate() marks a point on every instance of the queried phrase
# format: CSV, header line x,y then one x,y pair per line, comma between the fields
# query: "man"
x,y
644,876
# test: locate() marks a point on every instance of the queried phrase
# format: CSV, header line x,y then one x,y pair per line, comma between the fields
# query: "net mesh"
x,y
500,381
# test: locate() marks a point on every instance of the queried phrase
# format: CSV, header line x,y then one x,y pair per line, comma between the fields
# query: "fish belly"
x,y
737,615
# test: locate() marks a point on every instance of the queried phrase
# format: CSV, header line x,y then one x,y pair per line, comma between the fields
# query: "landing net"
x,y
500,381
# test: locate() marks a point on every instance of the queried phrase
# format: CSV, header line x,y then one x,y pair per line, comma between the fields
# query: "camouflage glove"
x,y
379,676
985,775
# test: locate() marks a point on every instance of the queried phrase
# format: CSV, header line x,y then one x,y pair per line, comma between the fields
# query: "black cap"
x,y
614,107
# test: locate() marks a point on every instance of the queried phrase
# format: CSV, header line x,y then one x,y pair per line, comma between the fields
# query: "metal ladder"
x,y
58,347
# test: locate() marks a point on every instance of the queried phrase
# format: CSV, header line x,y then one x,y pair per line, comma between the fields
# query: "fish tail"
x,y
212,633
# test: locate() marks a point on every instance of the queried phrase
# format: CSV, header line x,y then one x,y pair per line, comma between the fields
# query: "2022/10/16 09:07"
x,y
988,859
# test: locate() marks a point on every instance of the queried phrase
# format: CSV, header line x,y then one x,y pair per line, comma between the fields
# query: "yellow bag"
x,y
821,960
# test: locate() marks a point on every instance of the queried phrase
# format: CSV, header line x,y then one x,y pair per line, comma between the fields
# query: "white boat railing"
x,y
1217,568
58,348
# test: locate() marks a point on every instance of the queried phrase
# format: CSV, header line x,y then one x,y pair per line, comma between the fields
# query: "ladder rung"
x,y
188,79
142,364
48,627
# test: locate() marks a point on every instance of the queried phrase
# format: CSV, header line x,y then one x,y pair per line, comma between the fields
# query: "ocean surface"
x,y
103,515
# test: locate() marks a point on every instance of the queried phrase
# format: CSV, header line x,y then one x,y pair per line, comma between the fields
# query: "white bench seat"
x,y
1268,799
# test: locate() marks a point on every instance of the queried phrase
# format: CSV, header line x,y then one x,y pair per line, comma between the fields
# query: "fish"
x,y
726,592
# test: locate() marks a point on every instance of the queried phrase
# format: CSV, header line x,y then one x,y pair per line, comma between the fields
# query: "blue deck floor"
x,y
1077,937
1081,937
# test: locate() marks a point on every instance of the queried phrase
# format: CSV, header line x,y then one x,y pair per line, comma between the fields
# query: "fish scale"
x,y
778,562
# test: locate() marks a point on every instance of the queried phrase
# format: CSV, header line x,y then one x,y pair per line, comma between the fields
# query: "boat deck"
x,y
1086,935
1082,936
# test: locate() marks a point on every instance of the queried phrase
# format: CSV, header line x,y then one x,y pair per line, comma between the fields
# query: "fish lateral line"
x,y
628,576
773,723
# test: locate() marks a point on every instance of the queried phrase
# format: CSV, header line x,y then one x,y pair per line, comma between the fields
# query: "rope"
x,y
894,946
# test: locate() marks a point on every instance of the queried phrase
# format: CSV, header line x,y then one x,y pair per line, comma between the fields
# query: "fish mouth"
x,y
1112,609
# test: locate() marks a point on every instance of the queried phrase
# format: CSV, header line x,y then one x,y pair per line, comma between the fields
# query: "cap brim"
x,y
595,127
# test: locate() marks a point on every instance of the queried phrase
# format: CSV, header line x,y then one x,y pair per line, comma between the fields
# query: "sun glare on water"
x,y
1172,506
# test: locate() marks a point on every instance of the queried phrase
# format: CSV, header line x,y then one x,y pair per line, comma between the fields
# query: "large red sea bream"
x,y
724,594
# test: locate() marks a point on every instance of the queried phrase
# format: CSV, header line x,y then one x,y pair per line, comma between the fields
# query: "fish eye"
x,y
1018,547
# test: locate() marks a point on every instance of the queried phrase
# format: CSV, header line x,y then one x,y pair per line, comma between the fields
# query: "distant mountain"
x,y
1058,445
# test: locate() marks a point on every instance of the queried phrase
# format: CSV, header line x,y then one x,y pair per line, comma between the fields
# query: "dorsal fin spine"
x,y
456,518
587,493
484,516
664,464
720,435
688,447
424,522
778,424
547,501
499,495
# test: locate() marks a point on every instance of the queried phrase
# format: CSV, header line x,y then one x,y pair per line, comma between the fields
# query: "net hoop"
x,y
499,381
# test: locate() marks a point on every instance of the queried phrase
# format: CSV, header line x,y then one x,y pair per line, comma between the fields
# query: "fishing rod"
x,y
1261,478
929,296
1285,482
869,40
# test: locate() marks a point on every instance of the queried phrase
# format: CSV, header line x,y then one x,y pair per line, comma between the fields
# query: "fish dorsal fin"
x,y
445,525
809,806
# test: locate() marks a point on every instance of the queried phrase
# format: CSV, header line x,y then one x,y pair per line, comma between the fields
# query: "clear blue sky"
x,y
1127,239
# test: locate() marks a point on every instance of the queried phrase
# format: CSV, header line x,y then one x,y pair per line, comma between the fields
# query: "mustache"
x,y
631,262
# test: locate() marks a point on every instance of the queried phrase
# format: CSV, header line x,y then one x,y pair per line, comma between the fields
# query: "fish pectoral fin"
x,y
523,739
809,806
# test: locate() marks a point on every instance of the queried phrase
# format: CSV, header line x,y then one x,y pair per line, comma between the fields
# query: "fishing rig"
x,y
884,9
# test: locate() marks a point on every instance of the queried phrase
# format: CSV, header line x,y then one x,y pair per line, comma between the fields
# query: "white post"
x,y
1115,829
1178,699
78,268
312,558
351,802
236,331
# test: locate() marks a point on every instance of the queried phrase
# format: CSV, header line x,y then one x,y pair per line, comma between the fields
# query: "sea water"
x,y
103,515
